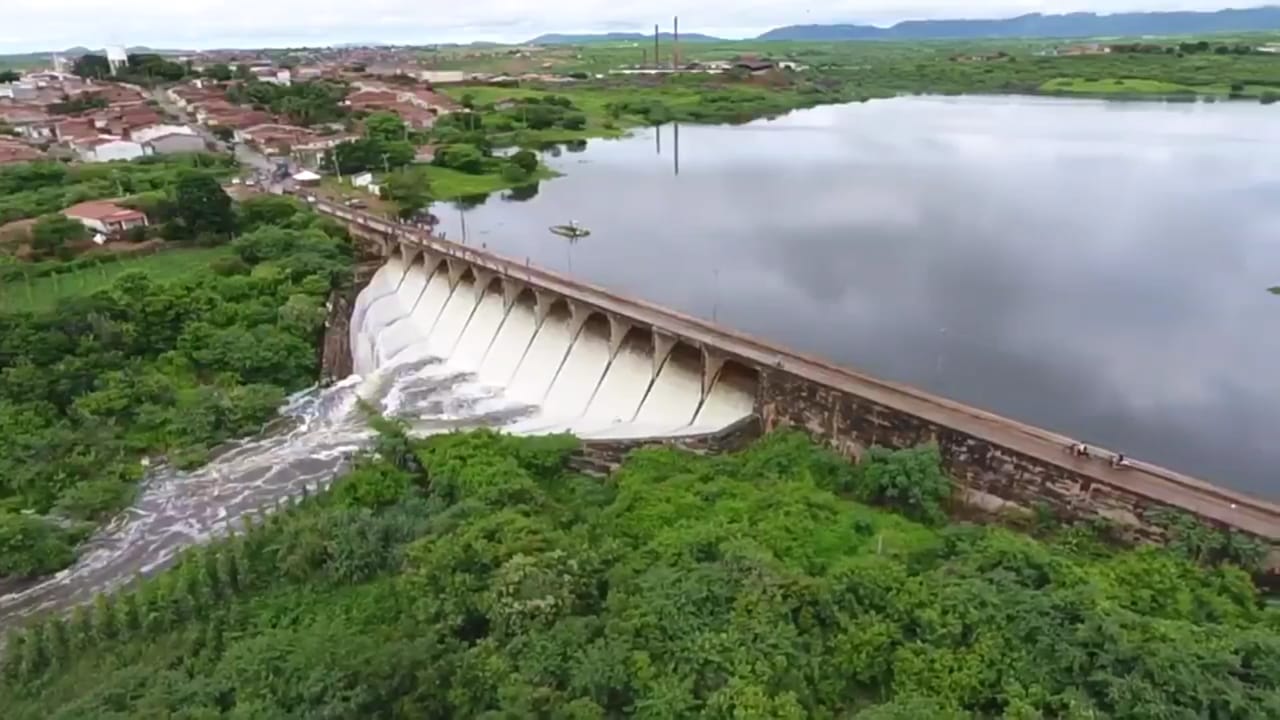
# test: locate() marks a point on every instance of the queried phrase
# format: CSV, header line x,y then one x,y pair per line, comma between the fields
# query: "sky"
x,y
195,24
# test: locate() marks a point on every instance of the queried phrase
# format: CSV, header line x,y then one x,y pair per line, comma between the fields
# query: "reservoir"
x,y
1099,269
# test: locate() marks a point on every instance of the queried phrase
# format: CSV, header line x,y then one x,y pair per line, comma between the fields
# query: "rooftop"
x,y
103,210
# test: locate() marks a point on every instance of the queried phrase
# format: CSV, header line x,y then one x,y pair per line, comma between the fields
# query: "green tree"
x,y
464,158
106,624
30,545
81,629
92,66
410,189
514,174
527,160
35,652
385,127
202,206
130,615
53,235
218,71
9,76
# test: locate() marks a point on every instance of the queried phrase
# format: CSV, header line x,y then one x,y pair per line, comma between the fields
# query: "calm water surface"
x,y
1097,269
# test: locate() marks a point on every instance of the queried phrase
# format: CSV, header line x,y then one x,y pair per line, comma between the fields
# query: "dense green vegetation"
x,y
153,366
528,116
29,190
304,103
464,162
39,292
856,70
473,575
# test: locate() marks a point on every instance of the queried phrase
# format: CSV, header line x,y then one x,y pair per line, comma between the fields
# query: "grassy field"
x,y
447,184
857,70
1106,87
1117,85
43,293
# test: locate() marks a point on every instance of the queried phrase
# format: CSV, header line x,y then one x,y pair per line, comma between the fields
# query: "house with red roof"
x,y
105,217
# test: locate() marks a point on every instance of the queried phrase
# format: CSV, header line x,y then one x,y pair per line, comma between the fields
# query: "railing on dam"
x,y
995,455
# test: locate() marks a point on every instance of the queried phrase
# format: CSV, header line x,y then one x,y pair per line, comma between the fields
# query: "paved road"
x,y
1201,498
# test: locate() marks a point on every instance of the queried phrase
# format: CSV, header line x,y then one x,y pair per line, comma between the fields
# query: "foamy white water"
x,y
542,362
618,398
453,320
401,333
509,346
480,333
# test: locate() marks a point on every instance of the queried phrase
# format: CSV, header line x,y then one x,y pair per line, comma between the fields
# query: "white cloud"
x,y
56,24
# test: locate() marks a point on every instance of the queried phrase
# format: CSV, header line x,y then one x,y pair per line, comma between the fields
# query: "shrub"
x,y
514,173
527,160
31,545
373,486
910,480
228,266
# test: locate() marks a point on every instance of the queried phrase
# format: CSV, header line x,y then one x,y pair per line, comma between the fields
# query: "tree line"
x,y
475,575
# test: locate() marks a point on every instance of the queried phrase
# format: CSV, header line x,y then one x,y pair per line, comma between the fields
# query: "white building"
x,y
107,149
442,77
174,143
271,75
151,132
105,217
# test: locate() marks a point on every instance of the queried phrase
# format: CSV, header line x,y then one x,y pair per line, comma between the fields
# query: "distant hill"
x,y
1049,26
585,39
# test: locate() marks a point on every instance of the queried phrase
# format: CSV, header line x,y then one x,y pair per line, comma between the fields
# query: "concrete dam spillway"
x,y
570,369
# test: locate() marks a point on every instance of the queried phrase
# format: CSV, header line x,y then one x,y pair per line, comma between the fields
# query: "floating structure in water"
x,y
573,231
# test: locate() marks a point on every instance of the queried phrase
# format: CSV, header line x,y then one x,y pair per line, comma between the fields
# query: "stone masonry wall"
x,y
989,477
335,347
601,457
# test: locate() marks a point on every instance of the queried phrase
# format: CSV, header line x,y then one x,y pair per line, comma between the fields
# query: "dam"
x,y
571,367
582,359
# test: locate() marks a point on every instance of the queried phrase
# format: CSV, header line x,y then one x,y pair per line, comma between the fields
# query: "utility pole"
x,y
657,59
675,43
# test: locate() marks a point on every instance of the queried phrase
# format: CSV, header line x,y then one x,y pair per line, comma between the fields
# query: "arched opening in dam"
x,y
568,367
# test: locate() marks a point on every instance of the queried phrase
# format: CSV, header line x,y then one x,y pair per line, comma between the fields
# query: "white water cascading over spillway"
x,y
441,353
563,371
